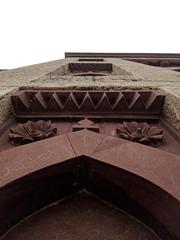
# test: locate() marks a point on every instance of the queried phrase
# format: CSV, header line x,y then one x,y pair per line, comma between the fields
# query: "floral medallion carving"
x,y
31,131
141,133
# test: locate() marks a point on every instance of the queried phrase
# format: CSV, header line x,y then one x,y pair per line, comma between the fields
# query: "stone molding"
x,y
113,104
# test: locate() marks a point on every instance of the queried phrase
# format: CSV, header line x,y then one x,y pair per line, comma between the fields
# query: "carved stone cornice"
x,y
108,104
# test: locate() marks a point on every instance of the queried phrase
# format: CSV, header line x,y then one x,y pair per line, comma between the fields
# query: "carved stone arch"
x,y
116,170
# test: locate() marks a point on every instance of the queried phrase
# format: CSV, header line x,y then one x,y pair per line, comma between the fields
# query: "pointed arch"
x,y
136,178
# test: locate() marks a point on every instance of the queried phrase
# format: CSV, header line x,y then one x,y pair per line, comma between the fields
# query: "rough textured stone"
x,y
172,105
6,108
125,75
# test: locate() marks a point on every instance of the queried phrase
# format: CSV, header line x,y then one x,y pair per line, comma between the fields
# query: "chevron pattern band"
x,y
114,104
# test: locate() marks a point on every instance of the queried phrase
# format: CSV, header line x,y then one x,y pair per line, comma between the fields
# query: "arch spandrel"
x,y
159,167
136,176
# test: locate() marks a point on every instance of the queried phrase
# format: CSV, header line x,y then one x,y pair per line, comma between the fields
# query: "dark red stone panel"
x,y
36,174
84,142
137,196
159,167
36,190
23,160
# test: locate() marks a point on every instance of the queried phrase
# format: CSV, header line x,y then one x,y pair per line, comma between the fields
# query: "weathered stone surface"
x,y
172,105
149,163
126,75
6,108
123,173
32,157
81,216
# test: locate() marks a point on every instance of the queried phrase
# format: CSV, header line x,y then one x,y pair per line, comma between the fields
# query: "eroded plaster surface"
x,y
125,75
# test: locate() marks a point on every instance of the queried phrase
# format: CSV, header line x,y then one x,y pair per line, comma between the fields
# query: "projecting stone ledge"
x,y
112,104
139,77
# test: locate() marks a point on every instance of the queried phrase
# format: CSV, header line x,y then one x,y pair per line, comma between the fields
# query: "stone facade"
x,y
125,75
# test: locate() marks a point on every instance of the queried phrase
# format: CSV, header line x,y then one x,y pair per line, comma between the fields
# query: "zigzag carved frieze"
x,y
97,103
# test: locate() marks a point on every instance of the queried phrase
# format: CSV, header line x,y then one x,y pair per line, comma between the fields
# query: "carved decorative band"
x,y
95,103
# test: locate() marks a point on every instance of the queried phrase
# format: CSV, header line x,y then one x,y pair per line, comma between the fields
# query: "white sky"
x,y
34,31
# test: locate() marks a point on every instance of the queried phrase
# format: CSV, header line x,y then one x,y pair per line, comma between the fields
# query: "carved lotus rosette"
x,y
141,133
31,131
